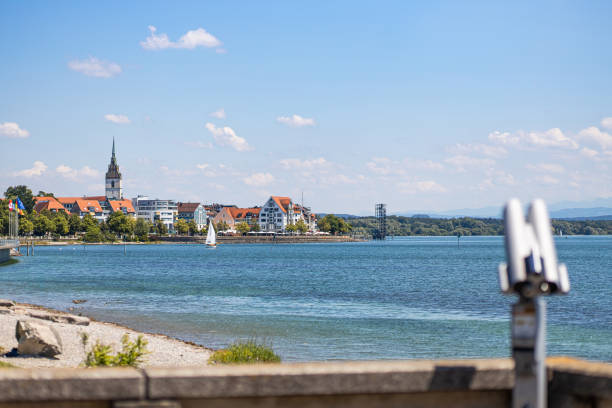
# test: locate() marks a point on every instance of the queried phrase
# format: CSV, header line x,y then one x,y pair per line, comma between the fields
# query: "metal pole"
x,y
529,353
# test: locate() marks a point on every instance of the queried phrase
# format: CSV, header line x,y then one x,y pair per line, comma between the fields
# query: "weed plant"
x,y
244,352
101,355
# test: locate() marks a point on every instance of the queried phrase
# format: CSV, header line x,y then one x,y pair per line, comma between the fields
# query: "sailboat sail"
x,y
211,237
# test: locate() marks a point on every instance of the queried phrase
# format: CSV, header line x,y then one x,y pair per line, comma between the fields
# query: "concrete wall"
x,y
459,383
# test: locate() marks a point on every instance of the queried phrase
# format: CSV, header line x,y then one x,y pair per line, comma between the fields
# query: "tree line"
x,y
465,226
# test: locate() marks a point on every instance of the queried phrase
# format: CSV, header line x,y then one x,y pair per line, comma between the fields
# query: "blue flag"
x,y
20,204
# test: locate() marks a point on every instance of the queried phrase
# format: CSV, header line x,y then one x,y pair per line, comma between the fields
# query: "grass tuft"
x,y
244,352
6,365
131,355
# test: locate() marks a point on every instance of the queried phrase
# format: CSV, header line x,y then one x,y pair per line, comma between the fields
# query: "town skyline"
x,y
424,107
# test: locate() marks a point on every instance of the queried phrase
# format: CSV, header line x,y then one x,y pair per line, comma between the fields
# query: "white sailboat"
x,y
211,237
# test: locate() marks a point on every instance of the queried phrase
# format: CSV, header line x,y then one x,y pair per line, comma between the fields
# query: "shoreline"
x,y
164,350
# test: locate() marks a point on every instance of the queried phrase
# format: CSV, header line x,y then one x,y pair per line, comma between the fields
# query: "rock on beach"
x,y
163,351
37,339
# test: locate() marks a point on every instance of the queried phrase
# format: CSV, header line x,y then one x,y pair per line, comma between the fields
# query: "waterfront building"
x,y
233,215
125,206
193,212
113,179
155,210
48,203
278,212
81,207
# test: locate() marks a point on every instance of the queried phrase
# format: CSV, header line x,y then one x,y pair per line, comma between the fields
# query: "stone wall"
x,y
435,383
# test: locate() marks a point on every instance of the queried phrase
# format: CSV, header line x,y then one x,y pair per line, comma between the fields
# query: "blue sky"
x,y
425,106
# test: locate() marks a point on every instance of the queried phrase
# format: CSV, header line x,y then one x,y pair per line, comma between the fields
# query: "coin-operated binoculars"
x,y
531,271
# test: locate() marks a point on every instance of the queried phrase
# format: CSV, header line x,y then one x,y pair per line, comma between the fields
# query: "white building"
x,y
278,212
156,210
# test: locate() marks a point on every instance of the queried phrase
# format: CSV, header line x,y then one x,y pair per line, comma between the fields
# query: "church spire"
x,y
113,156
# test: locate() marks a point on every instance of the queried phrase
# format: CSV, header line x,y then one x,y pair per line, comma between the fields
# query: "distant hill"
x,y
344,216
583,213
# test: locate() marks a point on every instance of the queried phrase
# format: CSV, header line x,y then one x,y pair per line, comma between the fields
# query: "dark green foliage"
x,y
245,352
406,226
93,234
334,225
141,229
161,228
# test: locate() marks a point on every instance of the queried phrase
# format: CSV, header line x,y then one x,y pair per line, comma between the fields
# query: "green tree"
x,y
301,226
255,227
141,229
243,228
334,225
181,226
43,225
291,228
120,224
93,234
26,227
88,222
61,225
74,224
24,194
221,226
44,194
161,228
193,227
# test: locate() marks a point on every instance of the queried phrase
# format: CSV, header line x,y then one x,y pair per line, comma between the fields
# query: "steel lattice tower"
x,y
381,218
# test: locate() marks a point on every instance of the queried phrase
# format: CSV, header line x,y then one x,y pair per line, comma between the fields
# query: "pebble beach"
x,y
164,351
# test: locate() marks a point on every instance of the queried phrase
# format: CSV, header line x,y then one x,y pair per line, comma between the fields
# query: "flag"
x,y
10,205
20,204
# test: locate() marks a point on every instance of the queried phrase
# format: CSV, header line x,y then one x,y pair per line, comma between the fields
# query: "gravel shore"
x,y
164,351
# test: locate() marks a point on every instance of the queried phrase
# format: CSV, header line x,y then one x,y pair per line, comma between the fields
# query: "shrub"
x,y
132,353
244,352
6,365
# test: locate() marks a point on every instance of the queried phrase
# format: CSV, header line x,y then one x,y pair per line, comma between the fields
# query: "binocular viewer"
x,y
532,267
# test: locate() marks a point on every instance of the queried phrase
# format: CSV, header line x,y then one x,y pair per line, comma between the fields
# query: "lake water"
x,y
415,297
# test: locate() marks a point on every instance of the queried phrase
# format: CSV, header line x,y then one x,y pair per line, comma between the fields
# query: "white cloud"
x,y
384,166
74,174
594,135
259,179
606,123
487,150
546,179
551,138
12,130
95,67
425,186
546,167
37,170
496,177
190,40
219,114
293,164
339,179
200,145
119,119
461,162
203,166
505,138
295,121
225,136
590,153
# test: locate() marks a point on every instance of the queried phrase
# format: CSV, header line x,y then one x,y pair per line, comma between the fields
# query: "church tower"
x,y
113,179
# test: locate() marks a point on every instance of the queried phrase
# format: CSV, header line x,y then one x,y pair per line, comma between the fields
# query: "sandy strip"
x,y
164,351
